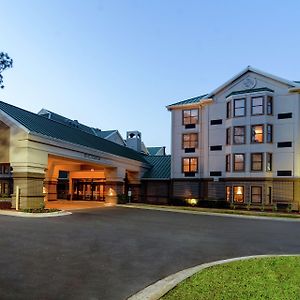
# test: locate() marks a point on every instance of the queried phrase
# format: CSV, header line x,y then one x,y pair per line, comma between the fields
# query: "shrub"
x,y
5,204
122,198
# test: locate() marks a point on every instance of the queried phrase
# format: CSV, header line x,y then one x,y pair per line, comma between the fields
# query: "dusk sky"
x,y
117,64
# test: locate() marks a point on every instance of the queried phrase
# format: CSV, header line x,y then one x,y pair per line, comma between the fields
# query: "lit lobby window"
x,y
228,193
238,194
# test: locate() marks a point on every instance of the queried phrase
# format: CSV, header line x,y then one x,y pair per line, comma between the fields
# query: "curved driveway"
x,y
113,252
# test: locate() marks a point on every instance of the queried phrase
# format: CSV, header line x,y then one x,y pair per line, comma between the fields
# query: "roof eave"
x,y
189,105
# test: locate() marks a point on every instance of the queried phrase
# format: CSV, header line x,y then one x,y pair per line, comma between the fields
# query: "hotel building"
x,y
239,143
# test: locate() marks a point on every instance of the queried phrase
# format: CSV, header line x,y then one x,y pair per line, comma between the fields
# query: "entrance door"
x,y
89,189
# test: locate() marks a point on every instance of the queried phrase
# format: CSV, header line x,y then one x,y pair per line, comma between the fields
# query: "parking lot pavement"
x,y
113,252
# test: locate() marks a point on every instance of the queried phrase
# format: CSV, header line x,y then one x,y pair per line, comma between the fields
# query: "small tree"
x,y
5,63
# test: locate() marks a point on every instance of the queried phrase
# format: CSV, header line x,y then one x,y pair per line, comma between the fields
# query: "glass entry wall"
x,y
89,189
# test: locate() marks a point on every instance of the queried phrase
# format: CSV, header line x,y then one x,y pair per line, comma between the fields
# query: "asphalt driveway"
x,y
113,252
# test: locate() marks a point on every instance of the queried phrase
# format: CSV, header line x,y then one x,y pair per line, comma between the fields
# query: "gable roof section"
x,y
254,70
47,127
248,69
161,167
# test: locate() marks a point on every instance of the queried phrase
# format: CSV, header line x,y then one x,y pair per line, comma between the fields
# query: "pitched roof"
x,y
161,167
153,150
66,121
189,101
263,89
47,127
74,123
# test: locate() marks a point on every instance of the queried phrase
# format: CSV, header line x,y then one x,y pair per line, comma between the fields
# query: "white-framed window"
x,y
239,162
256,161
256,194
257,105
239,107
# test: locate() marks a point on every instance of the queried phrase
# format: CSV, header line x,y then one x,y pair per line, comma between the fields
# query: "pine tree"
x,y
5,63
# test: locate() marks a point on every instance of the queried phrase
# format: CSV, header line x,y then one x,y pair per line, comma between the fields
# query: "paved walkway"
x,y
74,205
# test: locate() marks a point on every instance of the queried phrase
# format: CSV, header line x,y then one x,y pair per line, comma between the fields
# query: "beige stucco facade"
x,y
35,161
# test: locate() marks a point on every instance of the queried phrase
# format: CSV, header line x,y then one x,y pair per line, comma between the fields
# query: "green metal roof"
x,y
74,123
190,101
47,127
263,89
153,150
161,167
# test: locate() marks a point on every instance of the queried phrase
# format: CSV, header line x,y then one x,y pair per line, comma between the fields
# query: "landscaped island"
x,y
275,278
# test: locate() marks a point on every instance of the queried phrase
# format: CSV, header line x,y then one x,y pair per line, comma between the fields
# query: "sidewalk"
x,y
217,212
74,205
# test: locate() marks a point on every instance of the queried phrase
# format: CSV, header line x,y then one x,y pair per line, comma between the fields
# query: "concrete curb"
x,y
214,214
161,287
35,215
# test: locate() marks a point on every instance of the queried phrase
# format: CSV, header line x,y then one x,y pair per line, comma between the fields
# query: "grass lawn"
x,y
275,278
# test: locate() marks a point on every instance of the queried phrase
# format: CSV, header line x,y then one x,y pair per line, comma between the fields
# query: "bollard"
x,y
17,197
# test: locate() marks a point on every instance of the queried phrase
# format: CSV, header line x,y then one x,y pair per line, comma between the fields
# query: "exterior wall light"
x,y
111,192
239,190
192,201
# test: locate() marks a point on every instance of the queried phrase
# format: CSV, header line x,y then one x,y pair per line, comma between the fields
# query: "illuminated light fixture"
x,y
92,170
44,190
111,192
258,131
239,190
192,201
